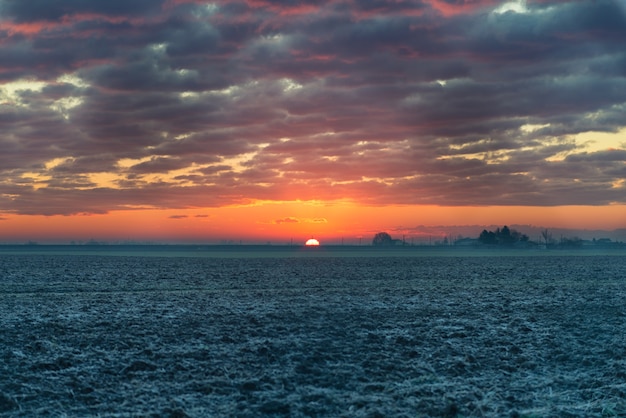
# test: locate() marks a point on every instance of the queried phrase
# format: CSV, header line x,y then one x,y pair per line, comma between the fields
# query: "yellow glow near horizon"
x,y
258,223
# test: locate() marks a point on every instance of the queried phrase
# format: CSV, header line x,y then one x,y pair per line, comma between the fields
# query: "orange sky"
x,y
297,221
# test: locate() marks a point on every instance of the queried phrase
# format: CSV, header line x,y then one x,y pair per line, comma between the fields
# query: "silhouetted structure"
x,y
573,242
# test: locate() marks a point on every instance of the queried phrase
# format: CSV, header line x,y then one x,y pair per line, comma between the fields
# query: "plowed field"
x,y
324,337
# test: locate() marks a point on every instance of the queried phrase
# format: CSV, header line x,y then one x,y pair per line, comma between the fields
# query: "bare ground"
x,y
352,337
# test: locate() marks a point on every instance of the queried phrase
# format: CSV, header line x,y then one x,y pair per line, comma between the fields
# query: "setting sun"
x,y
312,242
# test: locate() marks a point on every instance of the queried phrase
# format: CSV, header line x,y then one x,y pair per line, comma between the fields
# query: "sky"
x,y
243,120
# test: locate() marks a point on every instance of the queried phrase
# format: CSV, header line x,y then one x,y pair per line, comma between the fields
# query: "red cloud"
x,y
467,6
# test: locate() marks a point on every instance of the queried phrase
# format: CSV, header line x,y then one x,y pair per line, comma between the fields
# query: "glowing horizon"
x,y
298,221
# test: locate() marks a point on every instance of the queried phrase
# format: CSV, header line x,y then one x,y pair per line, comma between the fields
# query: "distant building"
x,y
466,242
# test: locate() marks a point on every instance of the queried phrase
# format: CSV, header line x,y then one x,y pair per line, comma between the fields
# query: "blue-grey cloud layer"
x,y
190,103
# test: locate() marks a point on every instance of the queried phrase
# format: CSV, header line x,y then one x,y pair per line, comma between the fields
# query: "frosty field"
x,y
127,336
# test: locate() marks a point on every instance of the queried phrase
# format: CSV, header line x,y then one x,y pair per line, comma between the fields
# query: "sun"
x,y
312,242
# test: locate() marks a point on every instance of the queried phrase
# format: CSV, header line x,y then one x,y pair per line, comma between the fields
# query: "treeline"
x,y
504,236
510,237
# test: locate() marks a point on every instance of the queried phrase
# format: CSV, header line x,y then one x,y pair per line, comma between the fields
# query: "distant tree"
x,y
505,235
547,237
382,239
487,237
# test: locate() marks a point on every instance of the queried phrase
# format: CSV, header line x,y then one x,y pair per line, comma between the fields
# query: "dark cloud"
x,y
38,10
159,165
173,104
618,156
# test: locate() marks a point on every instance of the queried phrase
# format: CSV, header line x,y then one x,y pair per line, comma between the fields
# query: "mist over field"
x,y
311,333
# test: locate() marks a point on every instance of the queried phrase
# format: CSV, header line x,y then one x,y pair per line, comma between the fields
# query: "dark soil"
x,y
351,337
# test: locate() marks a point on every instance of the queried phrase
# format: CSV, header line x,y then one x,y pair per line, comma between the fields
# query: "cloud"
x,y
293,220
42,10
177,104
288,220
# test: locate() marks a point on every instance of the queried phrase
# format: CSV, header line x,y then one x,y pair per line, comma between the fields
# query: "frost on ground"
x,y
352,337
